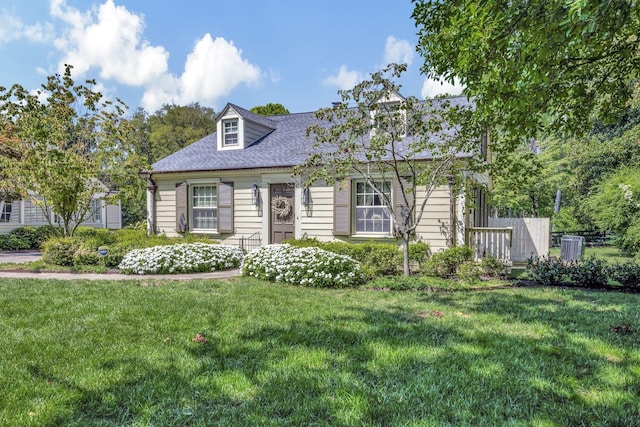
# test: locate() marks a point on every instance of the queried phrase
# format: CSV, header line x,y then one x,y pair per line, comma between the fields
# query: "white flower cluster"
x,y
181,258
302,266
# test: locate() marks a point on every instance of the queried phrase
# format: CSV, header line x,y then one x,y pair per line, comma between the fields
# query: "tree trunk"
x,y
405,255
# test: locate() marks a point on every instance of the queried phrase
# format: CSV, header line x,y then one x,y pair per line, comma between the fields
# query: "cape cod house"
x,y
237,183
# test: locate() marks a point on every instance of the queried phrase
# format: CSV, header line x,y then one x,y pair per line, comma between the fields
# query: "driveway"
x,y
19,256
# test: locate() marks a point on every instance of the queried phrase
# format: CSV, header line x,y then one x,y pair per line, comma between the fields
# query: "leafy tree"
x,y
60,139
270,109
382,139
615,206
152,137
536,63
526,181
173,127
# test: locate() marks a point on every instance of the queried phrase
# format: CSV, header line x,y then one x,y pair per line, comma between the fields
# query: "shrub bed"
x,y
307,266
181,258
376,259
448,262
27,237
590,273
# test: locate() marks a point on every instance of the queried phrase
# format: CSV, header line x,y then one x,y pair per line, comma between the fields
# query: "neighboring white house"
x,y
238,182
19,213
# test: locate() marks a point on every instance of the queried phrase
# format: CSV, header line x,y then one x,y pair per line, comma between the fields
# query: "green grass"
x,y
122,353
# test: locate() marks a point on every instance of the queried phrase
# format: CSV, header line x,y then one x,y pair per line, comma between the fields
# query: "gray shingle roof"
x,y
287,145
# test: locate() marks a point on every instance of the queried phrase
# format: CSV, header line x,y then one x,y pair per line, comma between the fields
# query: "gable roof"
x,y
286,146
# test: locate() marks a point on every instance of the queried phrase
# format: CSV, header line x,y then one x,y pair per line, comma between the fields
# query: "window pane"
x,y
231,132
203,203
371,215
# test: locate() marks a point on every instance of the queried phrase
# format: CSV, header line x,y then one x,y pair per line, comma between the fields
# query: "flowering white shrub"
x,y
308,266
181,258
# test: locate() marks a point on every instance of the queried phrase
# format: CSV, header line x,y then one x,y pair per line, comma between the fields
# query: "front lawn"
x,y
247,352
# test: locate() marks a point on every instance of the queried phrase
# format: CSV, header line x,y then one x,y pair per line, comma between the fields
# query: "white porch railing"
x,y
490,241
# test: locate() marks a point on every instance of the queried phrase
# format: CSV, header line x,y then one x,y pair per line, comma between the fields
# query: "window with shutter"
x,y
204,207
372,216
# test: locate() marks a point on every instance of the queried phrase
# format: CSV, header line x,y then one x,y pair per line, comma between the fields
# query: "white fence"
x,y
492,241
514,239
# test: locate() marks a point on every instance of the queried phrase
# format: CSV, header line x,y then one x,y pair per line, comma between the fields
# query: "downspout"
x,y
151,202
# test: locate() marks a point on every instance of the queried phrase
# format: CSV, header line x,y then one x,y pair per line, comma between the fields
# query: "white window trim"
x,y
224,132
200,182
354,206
99,209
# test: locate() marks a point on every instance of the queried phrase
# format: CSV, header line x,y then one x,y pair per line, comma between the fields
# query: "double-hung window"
x,y
204,206
371,213
230,132
95,211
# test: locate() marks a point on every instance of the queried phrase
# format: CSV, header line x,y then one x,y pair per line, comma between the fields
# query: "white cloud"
x,y
110,39
212,70
432,88
345,79
12,28
398,51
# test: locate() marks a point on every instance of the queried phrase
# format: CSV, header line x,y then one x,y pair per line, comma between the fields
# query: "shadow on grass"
x,y
491,360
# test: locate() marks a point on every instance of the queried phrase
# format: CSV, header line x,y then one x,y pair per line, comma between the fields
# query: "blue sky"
x,y
297,53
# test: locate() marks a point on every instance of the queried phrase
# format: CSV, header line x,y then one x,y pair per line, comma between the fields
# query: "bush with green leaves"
x,y
60,251
469,272
590,272
547,271
626,274
307,266
181,258
447,262
553,271
12,242
493,267
375,258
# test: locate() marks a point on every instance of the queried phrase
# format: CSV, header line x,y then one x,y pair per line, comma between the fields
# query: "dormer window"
x,y
230,133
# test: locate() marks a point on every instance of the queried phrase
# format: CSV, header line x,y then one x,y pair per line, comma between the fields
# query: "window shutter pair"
x,y
342,205
224,208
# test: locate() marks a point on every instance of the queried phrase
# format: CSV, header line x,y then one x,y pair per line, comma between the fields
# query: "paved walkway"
x,y
19,257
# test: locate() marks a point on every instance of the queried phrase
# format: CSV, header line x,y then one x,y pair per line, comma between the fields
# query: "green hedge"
x,y
376,259
27,237
590,272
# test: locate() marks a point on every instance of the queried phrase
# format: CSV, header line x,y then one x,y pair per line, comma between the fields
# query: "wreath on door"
x,y
280,206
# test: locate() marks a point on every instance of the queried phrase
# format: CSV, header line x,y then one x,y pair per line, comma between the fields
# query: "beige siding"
x,y
316,219
435,224
246,218
434,227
